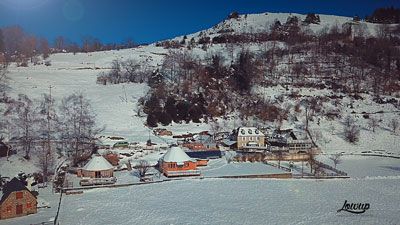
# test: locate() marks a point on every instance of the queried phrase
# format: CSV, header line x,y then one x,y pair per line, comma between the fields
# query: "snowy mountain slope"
x,y
257,23
70,73
115,104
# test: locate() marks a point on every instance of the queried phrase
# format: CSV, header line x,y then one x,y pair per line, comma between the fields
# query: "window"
x,y
250,131
19,195
9,208
29,205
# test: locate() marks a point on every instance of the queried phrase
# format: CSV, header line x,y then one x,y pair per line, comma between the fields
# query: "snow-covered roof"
x,y
228,142
176,154
98,163
111,140
249,131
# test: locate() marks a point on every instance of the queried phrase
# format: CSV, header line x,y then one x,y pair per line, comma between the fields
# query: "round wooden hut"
x,y
177,163
97,167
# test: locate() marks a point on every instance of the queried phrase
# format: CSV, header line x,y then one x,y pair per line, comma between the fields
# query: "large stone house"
x,y
250,137
17,200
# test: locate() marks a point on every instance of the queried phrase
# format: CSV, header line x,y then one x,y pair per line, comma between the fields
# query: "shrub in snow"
x,y
233,15
394,124
352,133
312,18
24,63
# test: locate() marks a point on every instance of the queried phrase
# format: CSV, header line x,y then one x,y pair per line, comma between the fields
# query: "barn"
x,y
177,163
97,167
17,200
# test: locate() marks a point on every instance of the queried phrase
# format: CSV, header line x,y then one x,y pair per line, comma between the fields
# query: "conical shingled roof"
x,y
98,163
176,154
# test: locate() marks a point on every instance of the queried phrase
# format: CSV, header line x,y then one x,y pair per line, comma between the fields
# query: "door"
x,y
18,209
97,174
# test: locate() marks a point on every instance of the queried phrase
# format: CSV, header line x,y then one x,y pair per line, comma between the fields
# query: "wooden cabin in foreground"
x,y
17,200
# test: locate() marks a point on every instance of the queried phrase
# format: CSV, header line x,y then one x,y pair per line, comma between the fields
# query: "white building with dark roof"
x,y
250,136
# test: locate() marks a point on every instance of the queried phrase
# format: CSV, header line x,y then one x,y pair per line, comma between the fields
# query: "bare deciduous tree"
x,y
23,117
46,162
311,160
47,121
77,126
142,168
394,124
336,159
131,70
279,156
3,81
373,123
59,43
351,130
44,48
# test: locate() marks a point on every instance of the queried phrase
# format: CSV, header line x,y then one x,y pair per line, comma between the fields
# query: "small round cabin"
x,y
97,167
177,163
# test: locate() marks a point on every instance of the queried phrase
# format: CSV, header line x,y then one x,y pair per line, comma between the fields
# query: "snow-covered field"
x,y
236,202
374,180
367,166
219,167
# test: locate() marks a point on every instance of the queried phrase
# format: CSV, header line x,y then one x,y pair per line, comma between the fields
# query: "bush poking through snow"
x,y
373,123
142,168
351,130
394,124
336,159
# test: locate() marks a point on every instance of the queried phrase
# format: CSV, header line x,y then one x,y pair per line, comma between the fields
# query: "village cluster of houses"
x,y
251,139
184,159
194,150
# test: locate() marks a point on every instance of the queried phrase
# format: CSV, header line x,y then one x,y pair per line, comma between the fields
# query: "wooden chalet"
x,y
17,200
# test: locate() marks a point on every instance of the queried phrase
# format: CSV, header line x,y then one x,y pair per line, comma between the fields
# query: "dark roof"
x,y
3,150
13,185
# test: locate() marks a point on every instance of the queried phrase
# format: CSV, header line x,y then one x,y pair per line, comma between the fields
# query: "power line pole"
x,y
47,154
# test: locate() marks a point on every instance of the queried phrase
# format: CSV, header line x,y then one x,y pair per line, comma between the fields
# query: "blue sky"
x,y
147,21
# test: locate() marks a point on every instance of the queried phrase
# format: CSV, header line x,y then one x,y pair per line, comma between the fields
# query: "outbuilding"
x,y
97,167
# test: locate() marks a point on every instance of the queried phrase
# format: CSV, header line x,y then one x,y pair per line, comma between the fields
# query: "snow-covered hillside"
x,y
257,23
115,105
